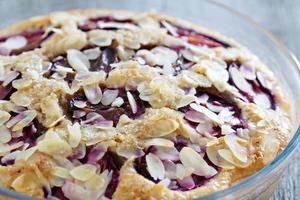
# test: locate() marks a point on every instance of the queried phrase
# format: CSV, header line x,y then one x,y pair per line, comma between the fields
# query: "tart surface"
x,y
104,104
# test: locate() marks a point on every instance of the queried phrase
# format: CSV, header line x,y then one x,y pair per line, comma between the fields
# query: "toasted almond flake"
x,y
182,172
240,81
93,53
117,102
262,78
130,152
104,25
104,124
211,115
159,142
132,102
26,117
74,191
11,156
78,114
5,134
186,100
15,42
262,100
96,183
4,117
226,129
214,157
155,167
109,96
92,116
170,168
25,155
54,146
74,134
166,153
229,157
21,83
165,182
170,28
55,122
164,127
6,148
79,104
202,99
83,172
93,93
9,77
239,151
205,128
243,133
78,60
191,159
248,72
195,116
214,108
61,172
187,182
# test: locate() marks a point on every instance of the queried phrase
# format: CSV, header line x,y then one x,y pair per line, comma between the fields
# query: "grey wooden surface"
x,y
282,18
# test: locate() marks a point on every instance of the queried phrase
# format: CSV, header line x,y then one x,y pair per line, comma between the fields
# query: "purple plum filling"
x,y
81,113
192,36
216,104
103,160
26,41
170,161
91,23
252,85
102,63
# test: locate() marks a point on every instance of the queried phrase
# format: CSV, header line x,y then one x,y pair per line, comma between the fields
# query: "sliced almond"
x,y
155,167
83,172
248,72
109,96
164,127
226,129
227,155
191,159
195,116
61,172
170,168
263,80
74,134
239,151
214,157
54,146
262,100
93,93
166,153
211,115
158,142
132,102
78,60
130,152
92,53
5,134
4,117
26,117
117,102
240,81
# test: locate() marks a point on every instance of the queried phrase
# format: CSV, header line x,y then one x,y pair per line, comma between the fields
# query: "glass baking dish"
x,y
214,16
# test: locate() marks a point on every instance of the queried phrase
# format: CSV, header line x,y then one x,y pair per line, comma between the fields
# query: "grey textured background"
x,y
282,18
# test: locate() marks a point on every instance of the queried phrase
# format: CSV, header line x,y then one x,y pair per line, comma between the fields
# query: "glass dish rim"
x,y
264,171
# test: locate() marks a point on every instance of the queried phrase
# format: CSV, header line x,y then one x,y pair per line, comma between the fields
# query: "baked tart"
x,y
106,104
